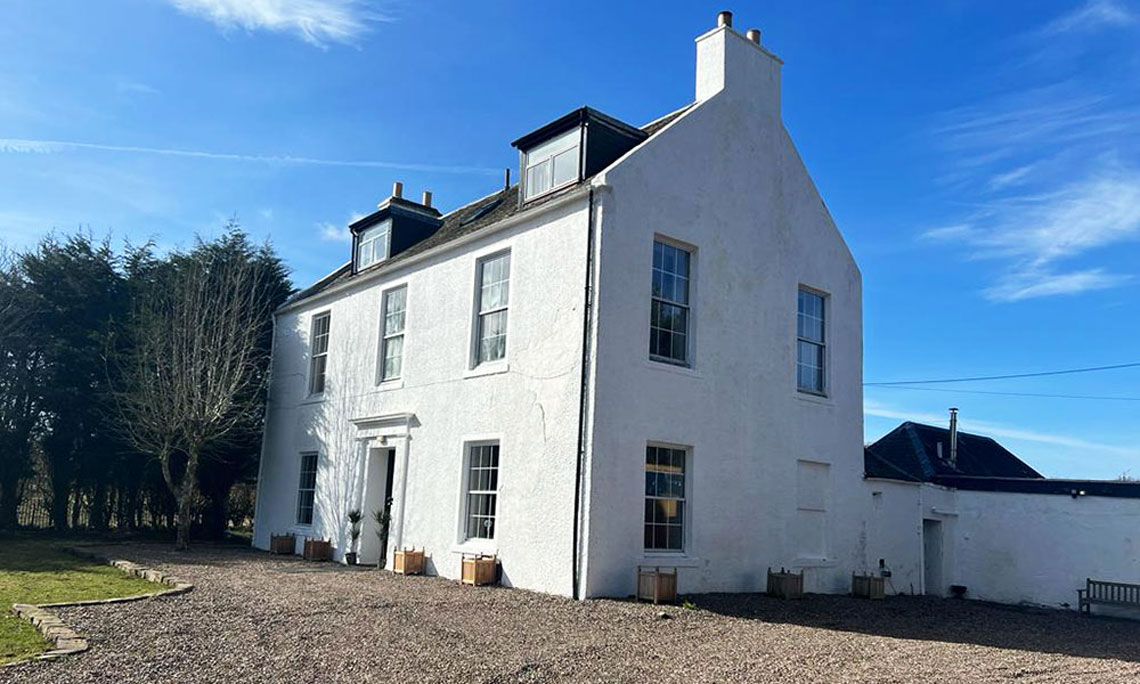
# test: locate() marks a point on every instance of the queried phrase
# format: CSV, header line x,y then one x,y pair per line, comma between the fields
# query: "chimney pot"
x,y
754,35
397,189
427,199
724,18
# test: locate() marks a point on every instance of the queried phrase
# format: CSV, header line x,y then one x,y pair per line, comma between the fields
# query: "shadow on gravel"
x,y
945,620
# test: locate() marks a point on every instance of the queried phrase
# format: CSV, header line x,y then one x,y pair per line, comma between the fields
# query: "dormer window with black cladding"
x,y
396,225
571,149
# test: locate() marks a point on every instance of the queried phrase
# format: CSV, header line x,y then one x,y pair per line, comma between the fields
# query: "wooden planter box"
x,y
786,585
317,550
282,543
868,586
657,586
480,570
408,562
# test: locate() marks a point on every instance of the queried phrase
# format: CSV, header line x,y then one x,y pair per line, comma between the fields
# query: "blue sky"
x,y
981,158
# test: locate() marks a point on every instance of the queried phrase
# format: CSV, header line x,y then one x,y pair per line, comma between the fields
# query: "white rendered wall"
x,y
1006,547
892,532
725,179
1039,548
531,405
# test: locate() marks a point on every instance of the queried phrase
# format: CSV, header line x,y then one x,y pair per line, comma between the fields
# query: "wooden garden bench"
x,y
1107,594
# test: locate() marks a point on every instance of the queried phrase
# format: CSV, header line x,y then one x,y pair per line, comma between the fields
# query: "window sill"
x,y
490,368
669,560
387,385
813,398
313,399
672,368
486,547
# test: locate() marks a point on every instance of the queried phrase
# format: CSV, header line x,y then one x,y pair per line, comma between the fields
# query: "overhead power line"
x,y
1009,394
1002,377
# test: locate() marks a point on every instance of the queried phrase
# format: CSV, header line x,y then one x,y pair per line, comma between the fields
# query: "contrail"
x,y
23,146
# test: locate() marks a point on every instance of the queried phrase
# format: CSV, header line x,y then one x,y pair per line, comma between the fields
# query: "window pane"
x,y
664,502
317,375
393,357
538,178
482,483
566,167
669,314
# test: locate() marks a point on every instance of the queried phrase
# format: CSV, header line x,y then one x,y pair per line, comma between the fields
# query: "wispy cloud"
x,y
1038,233
1092,15
331,232
1009,178
1041,167
129,87
26,146
874,408
317,22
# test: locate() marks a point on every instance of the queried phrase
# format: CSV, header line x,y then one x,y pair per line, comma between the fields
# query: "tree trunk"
x,y
60,492
9,501
76,508
186,499
98,518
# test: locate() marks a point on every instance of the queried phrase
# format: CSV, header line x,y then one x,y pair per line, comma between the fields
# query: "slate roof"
x,y
463,221
910,452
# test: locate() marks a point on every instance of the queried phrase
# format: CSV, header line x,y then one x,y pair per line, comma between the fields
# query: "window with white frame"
x,y
372,244
392,334
482,491
552,164
494,279
319,352
670,309
307,488
665,498
811,350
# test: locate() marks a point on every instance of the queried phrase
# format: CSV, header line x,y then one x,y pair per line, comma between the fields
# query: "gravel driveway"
x,y
260,618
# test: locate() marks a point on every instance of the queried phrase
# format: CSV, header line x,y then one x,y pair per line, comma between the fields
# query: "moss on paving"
x,y
37,571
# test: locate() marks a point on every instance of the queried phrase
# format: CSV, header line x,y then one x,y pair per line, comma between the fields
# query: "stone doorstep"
x,y
65,639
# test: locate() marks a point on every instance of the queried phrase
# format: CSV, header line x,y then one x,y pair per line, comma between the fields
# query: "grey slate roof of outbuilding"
x,y
455,225
910,452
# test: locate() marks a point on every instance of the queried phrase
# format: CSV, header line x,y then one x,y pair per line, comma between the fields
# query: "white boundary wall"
x,y
1007,547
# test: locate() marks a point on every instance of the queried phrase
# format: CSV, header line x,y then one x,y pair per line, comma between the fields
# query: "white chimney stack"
x,y
397,189
730,62
427,199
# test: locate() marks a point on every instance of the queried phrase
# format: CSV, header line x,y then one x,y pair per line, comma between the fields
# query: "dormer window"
x,y
570,149
553,164
372,245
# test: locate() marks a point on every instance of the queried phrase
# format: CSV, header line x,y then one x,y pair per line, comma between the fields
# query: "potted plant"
x,y
383,518
354,518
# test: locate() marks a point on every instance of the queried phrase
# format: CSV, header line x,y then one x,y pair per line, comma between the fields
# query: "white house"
x,y
648,352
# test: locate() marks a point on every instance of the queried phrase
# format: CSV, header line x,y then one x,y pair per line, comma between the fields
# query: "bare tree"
x,y
195,369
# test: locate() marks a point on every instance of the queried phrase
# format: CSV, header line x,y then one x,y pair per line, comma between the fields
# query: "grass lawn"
x,y
36,571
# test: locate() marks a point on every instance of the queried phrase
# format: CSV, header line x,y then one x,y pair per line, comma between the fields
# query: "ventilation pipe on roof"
x,y
427,199
724,18
954,436
397,189
754,35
